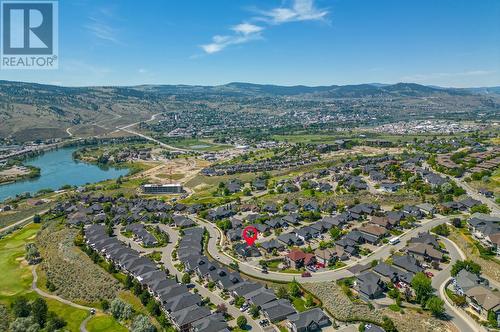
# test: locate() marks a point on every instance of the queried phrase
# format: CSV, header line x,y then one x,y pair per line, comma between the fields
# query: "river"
x,y
58,168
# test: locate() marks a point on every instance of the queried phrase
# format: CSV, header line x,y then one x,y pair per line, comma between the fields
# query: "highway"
x,y
149,138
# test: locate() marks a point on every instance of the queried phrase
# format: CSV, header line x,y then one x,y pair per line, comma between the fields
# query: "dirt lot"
x,y
175,170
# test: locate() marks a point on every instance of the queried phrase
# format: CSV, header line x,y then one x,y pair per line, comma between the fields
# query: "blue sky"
x,y
321,42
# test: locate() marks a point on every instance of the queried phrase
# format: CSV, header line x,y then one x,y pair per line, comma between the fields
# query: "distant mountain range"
x,y
332,91
30,110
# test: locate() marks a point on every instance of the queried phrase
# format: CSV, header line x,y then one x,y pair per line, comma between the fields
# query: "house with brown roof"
x,y
483,300
384,221
297,259
375,231
425,252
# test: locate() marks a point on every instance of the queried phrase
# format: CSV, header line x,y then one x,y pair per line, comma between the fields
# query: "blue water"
x,y
58,168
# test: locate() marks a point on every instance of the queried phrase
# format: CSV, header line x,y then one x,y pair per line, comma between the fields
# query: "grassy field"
x,y
16,278
493,184
102,323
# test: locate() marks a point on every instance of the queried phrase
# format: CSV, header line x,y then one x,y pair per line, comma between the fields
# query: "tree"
x,y
240,301
254,311
24,324
335,233
221,308
104,304
120,310
39,311
388,325
186,278
282,292
21,307
435,305
481,208
142,324
129,281
241,321
54,322
309,301
294,288
441,230
422,286
468,265
153,307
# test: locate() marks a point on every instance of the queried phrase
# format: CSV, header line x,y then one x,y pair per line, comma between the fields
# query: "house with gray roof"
x,y
311,320
277,310
466,280
213,323
370,285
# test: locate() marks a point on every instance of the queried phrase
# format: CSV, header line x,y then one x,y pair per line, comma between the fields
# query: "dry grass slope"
x,y
75,276
343,309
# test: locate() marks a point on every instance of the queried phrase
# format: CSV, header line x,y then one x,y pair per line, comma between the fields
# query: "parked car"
x,y
306,274
429,274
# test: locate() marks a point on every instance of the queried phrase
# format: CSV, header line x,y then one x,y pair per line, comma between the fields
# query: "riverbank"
x,y
17,173
58,169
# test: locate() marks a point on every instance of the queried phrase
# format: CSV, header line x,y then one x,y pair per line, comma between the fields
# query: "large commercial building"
x,y
157,189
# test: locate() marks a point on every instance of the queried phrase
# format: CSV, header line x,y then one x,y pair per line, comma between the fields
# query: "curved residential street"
x,y
381,253
458,317
166,254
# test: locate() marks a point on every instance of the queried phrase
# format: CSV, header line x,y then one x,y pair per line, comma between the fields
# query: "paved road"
x,y
383,252
149,138
495,209
461,320
34,286
169,264
20,222
457,316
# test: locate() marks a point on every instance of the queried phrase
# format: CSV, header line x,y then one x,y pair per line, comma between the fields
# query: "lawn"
x,y
16,277
104,323
72,316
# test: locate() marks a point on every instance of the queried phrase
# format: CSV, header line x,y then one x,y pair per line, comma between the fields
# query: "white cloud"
x,y
101,24
247,28
300,10
243,33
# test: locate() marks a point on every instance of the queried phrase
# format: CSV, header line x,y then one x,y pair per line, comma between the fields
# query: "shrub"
x,y
142,324
120,310
241,321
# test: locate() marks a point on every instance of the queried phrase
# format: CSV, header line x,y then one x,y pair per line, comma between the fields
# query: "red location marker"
x,y
250,239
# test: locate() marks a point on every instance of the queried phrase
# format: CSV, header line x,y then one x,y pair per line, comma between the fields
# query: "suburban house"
x,y
370,285
483,300
308,321
466,280
425,253
486,229
373,233
297,259
408,263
